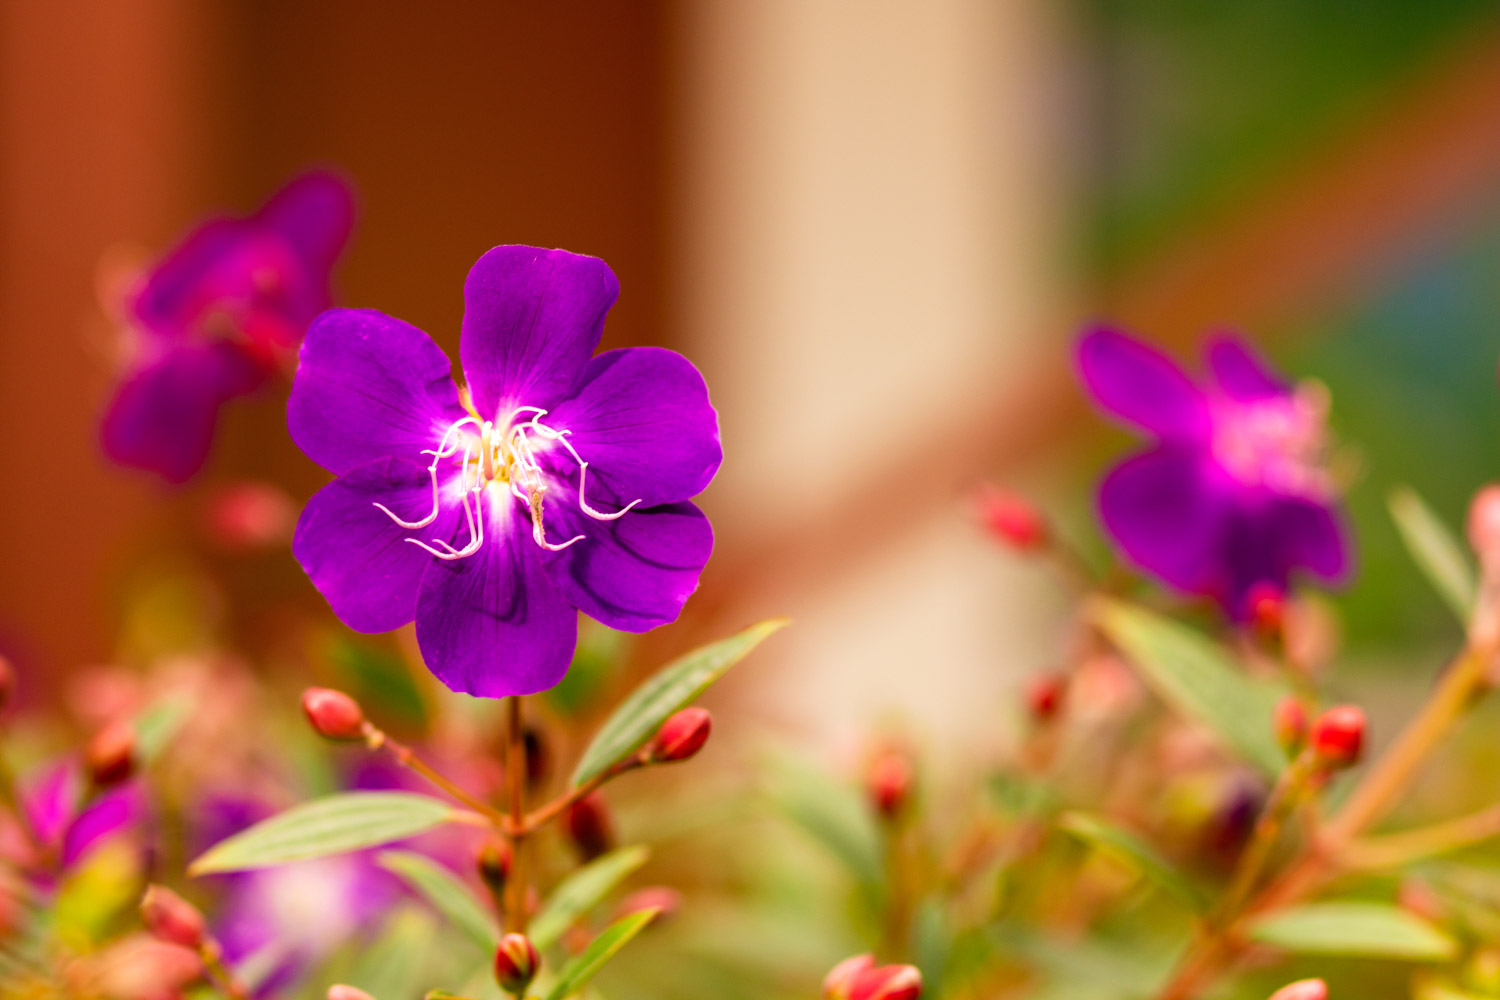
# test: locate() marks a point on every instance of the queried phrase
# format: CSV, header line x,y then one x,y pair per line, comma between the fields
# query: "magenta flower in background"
x,y
210,319
1234,494
554,481
65,825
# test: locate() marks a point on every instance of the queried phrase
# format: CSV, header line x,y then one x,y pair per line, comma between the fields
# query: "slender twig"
x,y
1295,781
406,757
220,974
515,779
1398,849
545,814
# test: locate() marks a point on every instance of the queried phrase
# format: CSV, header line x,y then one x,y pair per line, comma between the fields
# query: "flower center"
x,y
486,462
1280,443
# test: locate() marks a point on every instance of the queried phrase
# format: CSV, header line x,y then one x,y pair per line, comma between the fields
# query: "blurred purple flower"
x,y
211,317
554,481
1234,495
66,826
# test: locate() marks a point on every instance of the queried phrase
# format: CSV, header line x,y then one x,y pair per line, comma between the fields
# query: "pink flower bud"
x,y
1290,720
889,782
1044,696
342,992
1484,525
251,516
110,755
1303,989
493,860
516,963
333,714
590,826
1011,518
663,900
839,982
681,736
1338,736
169,917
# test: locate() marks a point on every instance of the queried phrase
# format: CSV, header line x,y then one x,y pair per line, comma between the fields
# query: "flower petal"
x,y
531,319
162,417
1167,513
633,573
367,387
1139,383
314,213
1240,373
358,558
1315,538
116,811
642,420
493,625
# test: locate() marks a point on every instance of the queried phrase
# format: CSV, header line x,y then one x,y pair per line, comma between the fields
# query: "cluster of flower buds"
x,y
859,978
681,736
1303,989
169,917
1338,736
516,963
889,781
590,826
1290,720
110,754
335,715
1011,518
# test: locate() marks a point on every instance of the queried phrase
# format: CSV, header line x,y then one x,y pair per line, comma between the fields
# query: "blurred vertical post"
x,y
866,245
104,135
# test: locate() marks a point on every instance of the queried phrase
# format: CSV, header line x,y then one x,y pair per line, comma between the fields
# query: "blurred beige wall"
x,y
868,213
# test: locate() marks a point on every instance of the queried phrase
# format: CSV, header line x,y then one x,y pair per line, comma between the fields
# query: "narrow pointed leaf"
x,y
673,687
581,891
831,812
1375,930
444,891
1197,678
331,825
1436,551
1125,847
576,974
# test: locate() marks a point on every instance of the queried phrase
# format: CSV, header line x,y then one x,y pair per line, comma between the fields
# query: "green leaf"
x,y
576,974
393,964
673,687
1436,551
830,811
1197,678
581,891
1125,847
444,891
330,825
1374,930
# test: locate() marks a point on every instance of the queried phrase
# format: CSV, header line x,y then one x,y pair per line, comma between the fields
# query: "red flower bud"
x,y
590,826
251,516
840,980
7,682
1011,518
493,861
342,992
1338,735
516,962
1303,989
1290,720
681,736
333,714
663,900
1044,696
888,982
889,782
110,755
1265,606
169,917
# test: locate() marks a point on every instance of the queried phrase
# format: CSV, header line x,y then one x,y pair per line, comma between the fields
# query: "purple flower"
x,y
554,481
67,827
1235,494
211,318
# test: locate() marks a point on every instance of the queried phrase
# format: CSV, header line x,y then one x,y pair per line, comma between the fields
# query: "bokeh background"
x,y
876,226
